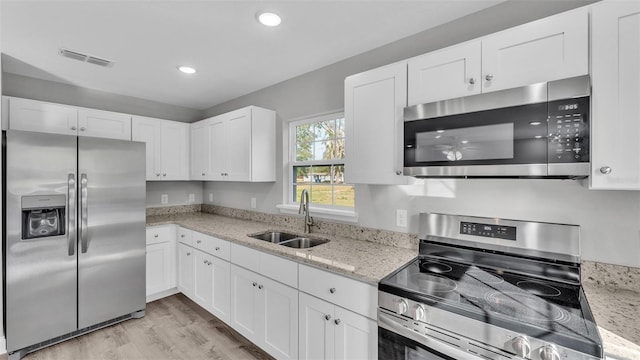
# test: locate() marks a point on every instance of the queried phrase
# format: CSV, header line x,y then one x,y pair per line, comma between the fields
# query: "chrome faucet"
x,y
304,207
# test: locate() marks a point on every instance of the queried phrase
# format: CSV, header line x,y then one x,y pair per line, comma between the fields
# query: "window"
x,y
317,160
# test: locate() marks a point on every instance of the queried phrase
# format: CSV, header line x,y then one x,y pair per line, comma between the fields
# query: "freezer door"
x,y
111,254
40,244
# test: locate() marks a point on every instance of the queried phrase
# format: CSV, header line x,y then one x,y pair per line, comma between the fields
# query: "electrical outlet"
x,y
401,218
210,197
253,203
164,199
192,198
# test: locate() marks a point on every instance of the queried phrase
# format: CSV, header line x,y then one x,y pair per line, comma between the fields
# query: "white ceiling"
x,y
233,53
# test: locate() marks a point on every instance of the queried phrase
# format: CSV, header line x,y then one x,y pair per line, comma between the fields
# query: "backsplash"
x,y
384,237
179,209
615,276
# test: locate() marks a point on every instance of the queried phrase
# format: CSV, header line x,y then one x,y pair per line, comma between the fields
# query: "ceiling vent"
x,y
86,58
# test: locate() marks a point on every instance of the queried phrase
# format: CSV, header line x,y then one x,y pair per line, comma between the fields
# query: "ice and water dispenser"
x,y
43,216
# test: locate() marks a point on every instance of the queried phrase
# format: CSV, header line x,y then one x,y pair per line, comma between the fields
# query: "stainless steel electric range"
x,y
488,288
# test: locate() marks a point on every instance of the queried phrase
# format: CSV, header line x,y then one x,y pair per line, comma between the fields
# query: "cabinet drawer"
x,y
211,245
351,294
274,267
160,234
185,236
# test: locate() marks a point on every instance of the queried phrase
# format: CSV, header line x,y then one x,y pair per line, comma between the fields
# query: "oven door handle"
x,y
387,322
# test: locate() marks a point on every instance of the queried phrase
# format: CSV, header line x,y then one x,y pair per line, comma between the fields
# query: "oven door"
x,y
396,342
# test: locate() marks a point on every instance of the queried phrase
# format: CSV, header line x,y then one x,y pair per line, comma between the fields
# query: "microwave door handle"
x,y
84,216
71,214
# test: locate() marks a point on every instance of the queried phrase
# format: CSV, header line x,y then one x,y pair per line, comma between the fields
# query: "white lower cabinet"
x,y
186,269
265,312
160,261
211,284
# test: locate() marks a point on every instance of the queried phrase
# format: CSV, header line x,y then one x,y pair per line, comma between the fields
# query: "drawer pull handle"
x,y
327,317
255,284
489,77
337,321
332,290
260,287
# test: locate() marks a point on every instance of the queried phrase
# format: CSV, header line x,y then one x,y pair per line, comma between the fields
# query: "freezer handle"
x,y
84,216
71,216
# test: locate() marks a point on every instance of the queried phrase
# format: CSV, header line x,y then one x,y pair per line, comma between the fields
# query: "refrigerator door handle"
x,y
84,216
71,216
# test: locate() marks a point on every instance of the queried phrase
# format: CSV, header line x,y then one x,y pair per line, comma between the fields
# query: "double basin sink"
x,y
289,240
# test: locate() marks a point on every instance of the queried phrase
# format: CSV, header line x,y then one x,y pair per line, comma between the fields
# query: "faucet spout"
x,y
304,208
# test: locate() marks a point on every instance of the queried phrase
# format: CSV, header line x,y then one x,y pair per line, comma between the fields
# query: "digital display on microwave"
x,y
471,143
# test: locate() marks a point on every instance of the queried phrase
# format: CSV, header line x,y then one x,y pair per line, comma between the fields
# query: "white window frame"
x,y
331,212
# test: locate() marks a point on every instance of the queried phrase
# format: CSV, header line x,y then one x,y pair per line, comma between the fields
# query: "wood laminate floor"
x,y
173,328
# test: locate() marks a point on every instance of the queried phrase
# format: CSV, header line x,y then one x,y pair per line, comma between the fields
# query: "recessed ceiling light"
x,y
268,18
187,69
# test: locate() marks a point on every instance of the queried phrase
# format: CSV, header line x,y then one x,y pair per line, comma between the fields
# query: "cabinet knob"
x,y
157,174
181,235
73,128
332,290
204,262
202,174
489,77
260,286
605,170
217,248
164,174
472,81
327,317
398,172
255,284
198,241
209,263
188,254
337,321
155,235
83,128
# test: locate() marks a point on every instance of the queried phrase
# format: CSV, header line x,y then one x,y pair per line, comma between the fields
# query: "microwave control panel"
x,y
568,126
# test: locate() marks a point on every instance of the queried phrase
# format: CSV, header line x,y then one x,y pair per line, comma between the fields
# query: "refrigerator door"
x,y
111,254
40,244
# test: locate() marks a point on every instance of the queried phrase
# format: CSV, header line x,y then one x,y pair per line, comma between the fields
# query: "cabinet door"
x,y
615,149
445,74
186,269
356,337
278,314
175,150
221,298
203,279
374,104
244,316
219,147
147,130
548,49
200,150
317,329
238,136
158,267
31,115
104,124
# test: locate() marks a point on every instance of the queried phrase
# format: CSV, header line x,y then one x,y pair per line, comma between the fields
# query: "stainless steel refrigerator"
x,y
74,242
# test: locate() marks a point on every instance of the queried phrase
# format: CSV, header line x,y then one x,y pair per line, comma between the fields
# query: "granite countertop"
x,y
613,293
362,260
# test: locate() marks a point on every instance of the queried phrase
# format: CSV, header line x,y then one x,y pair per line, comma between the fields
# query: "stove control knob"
x,y
421,314
521,346
549,353
401,306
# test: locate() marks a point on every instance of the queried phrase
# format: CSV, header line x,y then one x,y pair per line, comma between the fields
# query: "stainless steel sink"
x,y
275,237
288,239
303,242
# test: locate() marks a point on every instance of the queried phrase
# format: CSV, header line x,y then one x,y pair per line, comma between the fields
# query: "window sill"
x,y
348,216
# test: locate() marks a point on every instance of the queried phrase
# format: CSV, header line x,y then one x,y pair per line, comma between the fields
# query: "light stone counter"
x,y
362,260
613,293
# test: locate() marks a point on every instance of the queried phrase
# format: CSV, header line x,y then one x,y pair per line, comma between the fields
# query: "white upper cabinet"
x,y
167,147
374,102
552,48
31,115
39,116
236,146
444,74
104,124
615,75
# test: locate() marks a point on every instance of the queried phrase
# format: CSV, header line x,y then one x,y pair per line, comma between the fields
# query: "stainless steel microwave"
x,y
540,130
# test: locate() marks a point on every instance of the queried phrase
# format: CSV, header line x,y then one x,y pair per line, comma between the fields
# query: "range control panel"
x,y
568,127
488,230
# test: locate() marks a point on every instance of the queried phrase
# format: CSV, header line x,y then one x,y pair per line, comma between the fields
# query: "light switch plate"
x,y
401,218
164,199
